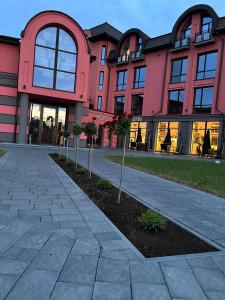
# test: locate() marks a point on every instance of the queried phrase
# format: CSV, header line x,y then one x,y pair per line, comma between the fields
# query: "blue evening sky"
x,y
151,16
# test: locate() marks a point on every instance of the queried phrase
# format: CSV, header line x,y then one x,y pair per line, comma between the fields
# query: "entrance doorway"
x,y
45,123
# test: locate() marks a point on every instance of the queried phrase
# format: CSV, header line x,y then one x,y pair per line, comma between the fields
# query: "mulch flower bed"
x,y
175,240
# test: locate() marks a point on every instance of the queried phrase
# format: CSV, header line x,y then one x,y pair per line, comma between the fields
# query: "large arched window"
x,y
55,60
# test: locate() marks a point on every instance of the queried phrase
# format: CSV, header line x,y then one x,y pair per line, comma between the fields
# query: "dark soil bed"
x,y
175,240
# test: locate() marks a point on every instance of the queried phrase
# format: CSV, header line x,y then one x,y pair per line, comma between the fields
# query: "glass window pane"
x,y
201,63
181,96
207,96
211,60
174,95
184,66
43,77
47,37
198,93
99,104
65,81
66,62
176,67
66,42
210,74
44,57
142,74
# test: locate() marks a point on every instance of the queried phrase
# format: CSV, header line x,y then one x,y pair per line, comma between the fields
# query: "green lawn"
x,y
2,152
203,175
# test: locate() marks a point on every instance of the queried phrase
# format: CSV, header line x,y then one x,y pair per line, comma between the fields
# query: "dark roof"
x,y
220,24
9,40
157,42
105,30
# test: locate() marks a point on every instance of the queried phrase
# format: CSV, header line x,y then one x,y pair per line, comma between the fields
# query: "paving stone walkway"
x,y
56,244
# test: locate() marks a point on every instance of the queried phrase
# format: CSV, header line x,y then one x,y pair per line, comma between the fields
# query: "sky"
x,y
151,16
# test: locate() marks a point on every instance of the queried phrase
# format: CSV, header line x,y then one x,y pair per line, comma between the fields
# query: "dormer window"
x,y
126,48
186,32
183,40
206,24
139,43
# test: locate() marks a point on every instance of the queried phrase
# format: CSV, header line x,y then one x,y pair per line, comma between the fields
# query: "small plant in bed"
x,y
103,184
152,221
80,171
70,163
62,158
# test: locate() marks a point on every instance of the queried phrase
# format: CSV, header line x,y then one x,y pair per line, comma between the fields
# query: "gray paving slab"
x,y
71,291
150,291
146,273
35,285
12,267
111,291
6,284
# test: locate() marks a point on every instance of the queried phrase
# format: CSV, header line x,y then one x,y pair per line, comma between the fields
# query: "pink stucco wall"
x,y
9,58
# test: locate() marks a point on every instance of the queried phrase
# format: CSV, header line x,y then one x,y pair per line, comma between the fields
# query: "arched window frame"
x,y
186,30
57,50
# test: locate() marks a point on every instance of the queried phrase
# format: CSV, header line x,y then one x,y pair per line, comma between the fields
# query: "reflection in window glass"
x,y
119,105
47,37
121,80
43,77
44,57
49,62
179,70
66,42
66,62
139,77
136,105
207,65
176,100
203,100
65,81
99,104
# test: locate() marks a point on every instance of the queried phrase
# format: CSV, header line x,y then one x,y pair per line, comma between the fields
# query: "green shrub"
x,y
62,158
152,221
70,163
103,184
80,171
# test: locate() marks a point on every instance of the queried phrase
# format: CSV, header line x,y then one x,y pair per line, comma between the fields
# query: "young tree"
x,y
60,134
90,131
121,127
66,135
77,130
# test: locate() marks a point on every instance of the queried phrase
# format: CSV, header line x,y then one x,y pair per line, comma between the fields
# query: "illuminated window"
x,y
162,131
199,130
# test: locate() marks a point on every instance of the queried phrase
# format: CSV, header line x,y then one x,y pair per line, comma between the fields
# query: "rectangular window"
x,y
179,70
99,104
121,80
101,81
206,65
176,100
103,55
119,105
203,100
139,77
136,106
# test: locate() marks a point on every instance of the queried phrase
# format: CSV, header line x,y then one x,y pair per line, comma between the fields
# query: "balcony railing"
x,y
182,43
136,55
203,36
122,59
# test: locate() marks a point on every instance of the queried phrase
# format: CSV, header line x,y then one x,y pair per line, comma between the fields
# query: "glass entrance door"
x,y
45,123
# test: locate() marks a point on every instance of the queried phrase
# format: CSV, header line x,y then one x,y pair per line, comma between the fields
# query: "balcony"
x,y
122,59
203,38
181,44
136,55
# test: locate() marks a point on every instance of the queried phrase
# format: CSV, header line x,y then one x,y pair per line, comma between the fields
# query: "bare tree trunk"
x,y
59,148
90,157
122,167
67,151
76,152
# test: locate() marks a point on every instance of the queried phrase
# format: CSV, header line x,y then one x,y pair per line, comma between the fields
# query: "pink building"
x,y
174,84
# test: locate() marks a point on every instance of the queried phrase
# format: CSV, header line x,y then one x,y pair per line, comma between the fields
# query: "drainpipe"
x,y
219,75
16,118
107,92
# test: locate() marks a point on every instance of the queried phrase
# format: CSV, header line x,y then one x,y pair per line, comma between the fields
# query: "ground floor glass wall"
x,y
46,121
138,134
199,130
162,131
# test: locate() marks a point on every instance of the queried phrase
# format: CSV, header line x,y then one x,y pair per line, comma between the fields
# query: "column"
x,y
78,116
24,103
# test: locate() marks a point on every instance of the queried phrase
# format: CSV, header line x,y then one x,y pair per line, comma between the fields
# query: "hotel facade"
x,y
57,73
